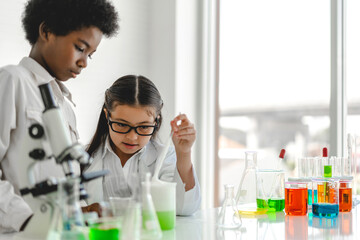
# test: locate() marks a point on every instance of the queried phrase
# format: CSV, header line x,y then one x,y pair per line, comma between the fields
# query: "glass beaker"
x,y
128,211
228,216
270,189
345,194
326,191
164,198
108,228
296,198
246,194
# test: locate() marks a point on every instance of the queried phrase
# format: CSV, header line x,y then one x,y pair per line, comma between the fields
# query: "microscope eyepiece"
x,y
47,96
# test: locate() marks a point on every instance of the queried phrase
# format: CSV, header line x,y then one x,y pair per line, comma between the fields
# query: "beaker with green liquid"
x,y
108,228
270,189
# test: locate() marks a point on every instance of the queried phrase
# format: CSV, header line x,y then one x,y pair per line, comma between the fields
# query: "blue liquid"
x,y
315,196
325,209
309,196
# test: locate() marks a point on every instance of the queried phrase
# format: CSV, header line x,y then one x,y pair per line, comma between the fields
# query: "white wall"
x,y
144,45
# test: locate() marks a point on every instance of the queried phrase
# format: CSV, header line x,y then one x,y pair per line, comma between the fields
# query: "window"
x,y
274,82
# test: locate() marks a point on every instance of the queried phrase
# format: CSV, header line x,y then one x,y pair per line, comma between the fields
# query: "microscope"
x,y
50,142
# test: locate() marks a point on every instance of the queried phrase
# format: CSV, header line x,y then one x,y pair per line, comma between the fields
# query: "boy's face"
x,y
65,56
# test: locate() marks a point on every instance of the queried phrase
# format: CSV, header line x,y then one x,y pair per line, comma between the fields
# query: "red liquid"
x,y
296,201
345,200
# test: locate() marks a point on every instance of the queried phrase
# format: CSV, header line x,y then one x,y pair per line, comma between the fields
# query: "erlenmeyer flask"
x,y
150,223
246,194
229,214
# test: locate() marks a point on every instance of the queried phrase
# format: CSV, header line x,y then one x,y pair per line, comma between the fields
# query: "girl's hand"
x,y
184,133
95,207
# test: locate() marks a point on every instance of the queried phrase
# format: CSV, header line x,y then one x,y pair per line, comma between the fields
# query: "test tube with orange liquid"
x,y
296,198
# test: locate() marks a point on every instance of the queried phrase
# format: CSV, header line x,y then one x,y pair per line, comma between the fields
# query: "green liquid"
x,y
108,234
277,204
261,203
273,204
166,219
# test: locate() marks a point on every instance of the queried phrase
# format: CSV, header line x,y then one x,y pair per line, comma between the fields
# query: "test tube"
x,y
296,198
302,166
317,167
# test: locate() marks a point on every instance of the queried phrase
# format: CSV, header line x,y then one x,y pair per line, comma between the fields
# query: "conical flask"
x,y
246,194
229,214
150,223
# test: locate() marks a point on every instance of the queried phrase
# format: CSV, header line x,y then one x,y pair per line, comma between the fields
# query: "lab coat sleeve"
x,y
187,202
7,110
13,209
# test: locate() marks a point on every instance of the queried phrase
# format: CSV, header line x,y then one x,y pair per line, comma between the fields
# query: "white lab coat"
x,y
20,106
116,183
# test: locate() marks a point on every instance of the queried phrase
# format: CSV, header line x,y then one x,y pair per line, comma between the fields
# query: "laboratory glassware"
x,y
108,228
326,192
229,216
246,194
296,198
150,223
72,218
345,194
270,189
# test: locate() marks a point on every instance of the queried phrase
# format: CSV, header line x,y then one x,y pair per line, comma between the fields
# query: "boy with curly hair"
x,y
63,34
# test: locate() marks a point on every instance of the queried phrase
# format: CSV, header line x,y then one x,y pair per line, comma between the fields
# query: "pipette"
x,y
276,180
161,158
281,158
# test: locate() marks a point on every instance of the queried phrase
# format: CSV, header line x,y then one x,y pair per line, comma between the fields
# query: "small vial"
x,y
229,216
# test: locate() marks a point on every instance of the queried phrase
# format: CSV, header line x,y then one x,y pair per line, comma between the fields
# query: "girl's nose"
x,y
132,134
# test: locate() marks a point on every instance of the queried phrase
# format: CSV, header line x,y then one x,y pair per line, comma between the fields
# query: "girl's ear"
x,y
157,119
106,113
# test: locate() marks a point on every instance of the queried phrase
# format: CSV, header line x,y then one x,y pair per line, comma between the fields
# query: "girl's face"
x,y
127,144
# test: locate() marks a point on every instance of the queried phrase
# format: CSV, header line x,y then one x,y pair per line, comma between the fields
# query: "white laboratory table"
x,y
202,225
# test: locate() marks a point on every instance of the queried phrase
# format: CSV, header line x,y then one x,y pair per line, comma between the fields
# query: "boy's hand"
x,y
184,133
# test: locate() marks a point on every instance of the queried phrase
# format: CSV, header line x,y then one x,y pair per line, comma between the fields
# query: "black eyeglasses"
x,y
143,130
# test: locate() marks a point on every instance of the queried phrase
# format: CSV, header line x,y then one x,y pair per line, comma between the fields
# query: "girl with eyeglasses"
x,y
125,143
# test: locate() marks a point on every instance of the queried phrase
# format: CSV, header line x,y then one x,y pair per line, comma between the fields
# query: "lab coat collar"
x,y
65,91
147,154
42,76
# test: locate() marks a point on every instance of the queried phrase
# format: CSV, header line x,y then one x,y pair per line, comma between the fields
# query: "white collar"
x,y
42,76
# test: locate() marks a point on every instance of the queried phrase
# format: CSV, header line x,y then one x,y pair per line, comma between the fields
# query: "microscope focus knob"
x,y
36,131
37,154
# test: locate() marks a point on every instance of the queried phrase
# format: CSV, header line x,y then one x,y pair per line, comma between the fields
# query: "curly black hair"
x,y
64,16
